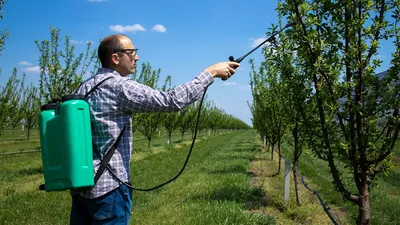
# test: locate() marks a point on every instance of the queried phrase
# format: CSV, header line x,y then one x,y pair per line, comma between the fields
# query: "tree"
x,y
31,107
15,112
150,122
57,77
185,119
3,34
358,113
170,118
269,101
203,116
298,91
10,97
260,108
170,124
215,116
276,104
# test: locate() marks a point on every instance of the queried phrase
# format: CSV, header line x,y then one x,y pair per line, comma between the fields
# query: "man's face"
x,y
126,57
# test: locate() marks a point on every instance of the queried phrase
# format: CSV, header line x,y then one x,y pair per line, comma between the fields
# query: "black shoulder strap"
x,y
97,85
106,159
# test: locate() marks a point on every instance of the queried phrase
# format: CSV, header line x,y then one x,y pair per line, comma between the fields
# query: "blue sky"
x,y
180,37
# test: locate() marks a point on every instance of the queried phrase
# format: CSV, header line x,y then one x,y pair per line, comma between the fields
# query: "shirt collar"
x,y
107,70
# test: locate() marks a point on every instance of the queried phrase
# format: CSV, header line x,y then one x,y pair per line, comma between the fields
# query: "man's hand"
x,y
223,70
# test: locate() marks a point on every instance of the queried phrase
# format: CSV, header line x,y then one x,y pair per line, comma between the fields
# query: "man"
x,y
111,105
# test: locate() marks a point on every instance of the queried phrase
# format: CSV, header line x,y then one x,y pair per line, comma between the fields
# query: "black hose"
x,y
320,200
184,165
231,58
318,196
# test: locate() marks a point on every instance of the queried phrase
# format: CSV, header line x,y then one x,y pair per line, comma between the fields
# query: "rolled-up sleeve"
x,y
136,97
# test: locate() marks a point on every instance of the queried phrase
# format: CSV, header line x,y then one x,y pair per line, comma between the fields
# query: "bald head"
x,y
117,52
107,47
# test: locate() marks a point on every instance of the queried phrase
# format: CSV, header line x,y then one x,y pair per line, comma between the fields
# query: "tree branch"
x,y
373,48
338,182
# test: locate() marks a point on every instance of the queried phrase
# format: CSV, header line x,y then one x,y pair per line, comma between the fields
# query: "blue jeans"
x,y
112,208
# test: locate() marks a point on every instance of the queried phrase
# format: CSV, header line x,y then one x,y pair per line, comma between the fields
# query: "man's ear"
x,y
115,59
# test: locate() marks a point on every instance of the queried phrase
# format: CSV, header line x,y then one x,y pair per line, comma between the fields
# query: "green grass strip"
x,y
214,188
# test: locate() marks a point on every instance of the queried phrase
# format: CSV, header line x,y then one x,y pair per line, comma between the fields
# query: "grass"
x,y
384,194
16,140
228,180
273,204
214,189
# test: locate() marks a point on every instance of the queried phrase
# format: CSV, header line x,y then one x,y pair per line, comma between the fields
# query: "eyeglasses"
x,y
131,51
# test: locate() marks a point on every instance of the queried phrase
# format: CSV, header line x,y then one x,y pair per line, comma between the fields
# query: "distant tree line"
x,y
61,72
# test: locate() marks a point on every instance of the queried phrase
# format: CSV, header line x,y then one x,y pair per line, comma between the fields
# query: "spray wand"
x,y
232,59
271,38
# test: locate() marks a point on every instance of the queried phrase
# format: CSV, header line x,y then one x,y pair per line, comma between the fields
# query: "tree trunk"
x,y
296,180
148,143
183,133
279,156
169,139
364,215
265,142
272,152
296,155
29,131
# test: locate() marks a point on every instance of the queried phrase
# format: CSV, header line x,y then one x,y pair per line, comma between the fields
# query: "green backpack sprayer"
x,y
66,141
66,144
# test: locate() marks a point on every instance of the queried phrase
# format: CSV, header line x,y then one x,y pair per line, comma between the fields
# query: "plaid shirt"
x,y
112,105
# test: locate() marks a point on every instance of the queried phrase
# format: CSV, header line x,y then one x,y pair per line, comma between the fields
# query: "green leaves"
x,y
324,72
61,71
31,107
148,123
3,34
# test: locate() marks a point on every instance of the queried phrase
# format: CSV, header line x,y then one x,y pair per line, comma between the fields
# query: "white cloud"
x,y
227,83
129,28
159,28
257,41
97,0
244,87
75,42
234,84
33,69
24,63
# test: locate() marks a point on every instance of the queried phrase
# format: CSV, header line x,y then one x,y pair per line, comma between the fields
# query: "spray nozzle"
x,y
270,39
